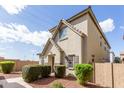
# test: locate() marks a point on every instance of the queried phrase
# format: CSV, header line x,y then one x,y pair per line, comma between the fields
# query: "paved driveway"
x,y
14,83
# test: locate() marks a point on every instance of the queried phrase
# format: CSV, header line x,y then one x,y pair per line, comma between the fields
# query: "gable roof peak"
x,y
89,11
74,17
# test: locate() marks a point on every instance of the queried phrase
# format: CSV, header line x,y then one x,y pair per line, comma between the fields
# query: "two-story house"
x,y
76,40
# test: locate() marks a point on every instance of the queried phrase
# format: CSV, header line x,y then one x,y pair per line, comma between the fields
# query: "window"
x,y
71,60
63,33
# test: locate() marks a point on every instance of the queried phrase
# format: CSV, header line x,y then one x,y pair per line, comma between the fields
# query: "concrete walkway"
x,y
14,83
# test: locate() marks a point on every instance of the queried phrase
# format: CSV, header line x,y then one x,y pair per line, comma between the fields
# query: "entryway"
x,y
52,67
51,59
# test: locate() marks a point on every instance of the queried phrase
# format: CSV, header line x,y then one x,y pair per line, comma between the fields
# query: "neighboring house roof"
x,y
82,13
122,53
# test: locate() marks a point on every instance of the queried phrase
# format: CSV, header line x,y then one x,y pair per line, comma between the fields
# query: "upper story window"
x,y
63,33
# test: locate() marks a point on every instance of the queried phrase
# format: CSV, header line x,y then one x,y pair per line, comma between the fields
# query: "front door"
x,y
52,65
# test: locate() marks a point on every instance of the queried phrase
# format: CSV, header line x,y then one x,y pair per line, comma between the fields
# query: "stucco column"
x,y
84,49
41,59
61,57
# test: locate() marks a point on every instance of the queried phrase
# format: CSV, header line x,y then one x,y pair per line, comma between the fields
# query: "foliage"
x,y
57,84
83,72
0,69
60,71
31,73
7,66
117,60
45,70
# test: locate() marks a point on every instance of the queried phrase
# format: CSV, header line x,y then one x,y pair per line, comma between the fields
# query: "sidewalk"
x,y
14,83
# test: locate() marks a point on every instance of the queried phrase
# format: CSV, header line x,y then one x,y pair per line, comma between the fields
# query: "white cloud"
x,y
12,8
122,27
20,33
107,25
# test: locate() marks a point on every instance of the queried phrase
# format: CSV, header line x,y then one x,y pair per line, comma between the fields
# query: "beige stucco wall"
x,y
81,24
52,50
93,43
72,45
83,48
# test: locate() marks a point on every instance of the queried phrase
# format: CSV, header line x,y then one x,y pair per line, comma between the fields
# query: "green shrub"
x,y
0,69
83,72
57,84
30,72
60,71
7,66
45,71
34,72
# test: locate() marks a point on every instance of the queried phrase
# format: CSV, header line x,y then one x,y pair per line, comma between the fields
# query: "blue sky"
x,y
24,29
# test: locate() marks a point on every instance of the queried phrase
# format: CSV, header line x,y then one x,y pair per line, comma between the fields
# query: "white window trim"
x,y
65,37
72,62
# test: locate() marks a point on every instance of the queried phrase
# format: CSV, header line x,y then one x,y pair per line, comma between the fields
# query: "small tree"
x,y
117,60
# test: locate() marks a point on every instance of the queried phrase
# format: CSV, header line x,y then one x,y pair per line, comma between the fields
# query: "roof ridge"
x,y
56,45
89,7
79,32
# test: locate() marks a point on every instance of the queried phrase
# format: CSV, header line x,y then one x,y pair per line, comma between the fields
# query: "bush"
x,y
57,85
45,71
30,72
117,60
83,72
7,66
0,69
34,72
60,71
